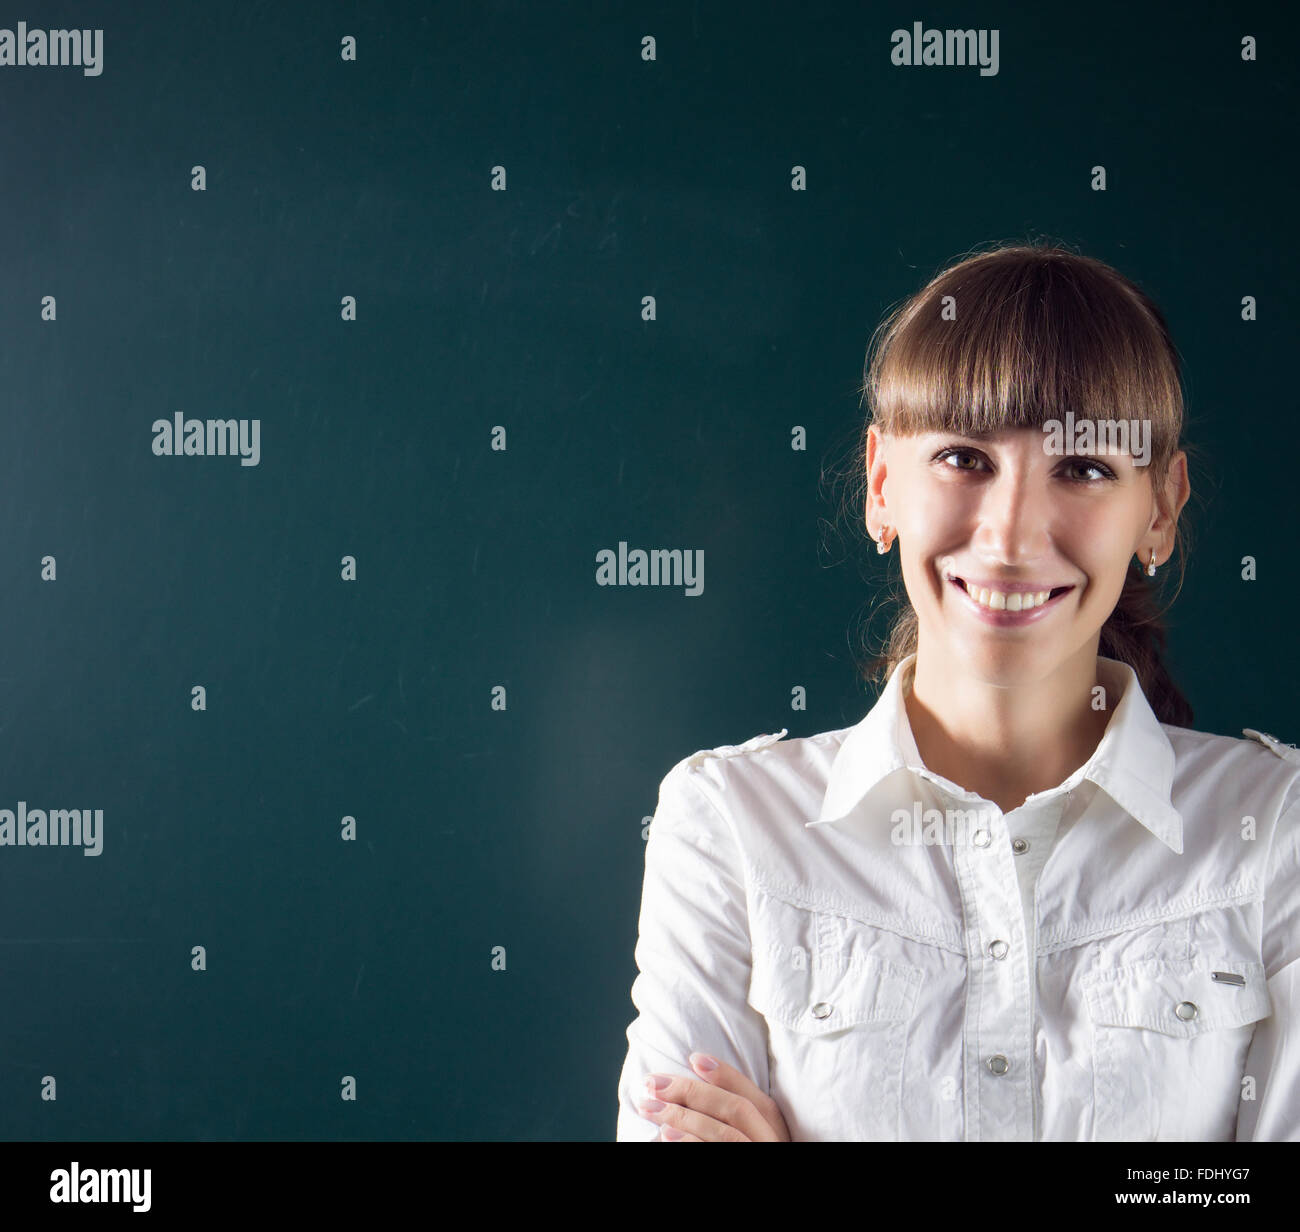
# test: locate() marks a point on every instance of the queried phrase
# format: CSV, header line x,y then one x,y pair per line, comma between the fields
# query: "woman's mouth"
x,y
1010,607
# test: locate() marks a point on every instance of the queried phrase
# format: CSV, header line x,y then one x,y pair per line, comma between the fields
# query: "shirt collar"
x,y
1133,763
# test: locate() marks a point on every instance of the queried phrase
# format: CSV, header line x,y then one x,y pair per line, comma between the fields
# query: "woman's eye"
x,y
1100,472
948,454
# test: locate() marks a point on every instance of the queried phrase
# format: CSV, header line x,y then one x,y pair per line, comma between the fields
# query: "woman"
x,y
1022,899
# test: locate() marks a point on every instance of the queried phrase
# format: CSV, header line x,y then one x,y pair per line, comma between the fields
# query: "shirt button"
x,y
821,1009
1186,1010
998,949
981,838
1019,846
999,1064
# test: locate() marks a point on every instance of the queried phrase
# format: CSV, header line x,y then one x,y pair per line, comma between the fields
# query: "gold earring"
x,y
1151,564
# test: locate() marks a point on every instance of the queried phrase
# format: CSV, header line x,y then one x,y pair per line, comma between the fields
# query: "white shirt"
x,y
885,989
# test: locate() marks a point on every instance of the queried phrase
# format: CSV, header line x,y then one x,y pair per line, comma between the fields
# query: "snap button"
x,y
999,1064
998,949
981,838
821,1009
1186,1010
1019,846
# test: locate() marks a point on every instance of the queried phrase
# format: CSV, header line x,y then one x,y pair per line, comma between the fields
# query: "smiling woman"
x,y
1108,945
992,356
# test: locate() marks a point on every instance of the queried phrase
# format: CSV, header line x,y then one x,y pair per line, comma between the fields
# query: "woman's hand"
x,y
722,1105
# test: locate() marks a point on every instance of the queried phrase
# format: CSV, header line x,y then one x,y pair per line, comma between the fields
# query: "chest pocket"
x,y
837,1015
1169,1045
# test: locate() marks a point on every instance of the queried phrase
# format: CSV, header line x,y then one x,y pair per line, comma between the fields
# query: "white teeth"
x,y
1017,601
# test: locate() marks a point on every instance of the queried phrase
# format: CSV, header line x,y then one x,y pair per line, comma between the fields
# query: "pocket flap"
x,y
1177,998
819,1002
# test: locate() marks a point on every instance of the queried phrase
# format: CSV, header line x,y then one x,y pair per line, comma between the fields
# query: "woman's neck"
x,y
1006,742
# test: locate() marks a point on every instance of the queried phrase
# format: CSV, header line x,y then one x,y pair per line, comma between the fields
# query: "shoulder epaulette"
x,y
1288,752
733,750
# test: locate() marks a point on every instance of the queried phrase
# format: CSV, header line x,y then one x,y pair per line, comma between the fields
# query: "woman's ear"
x,y
1177,486
875,502
1177,489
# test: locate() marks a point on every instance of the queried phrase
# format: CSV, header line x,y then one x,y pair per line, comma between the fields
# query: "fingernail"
x,y
670,1134
656,1082
652,1105
702,1060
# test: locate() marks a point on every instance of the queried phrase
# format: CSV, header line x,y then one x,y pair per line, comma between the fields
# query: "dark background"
x,y
519,828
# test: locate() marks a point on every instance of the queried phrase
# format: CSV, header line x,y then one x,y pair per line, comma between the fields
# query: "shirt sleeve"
x,y
1274,1056
693,953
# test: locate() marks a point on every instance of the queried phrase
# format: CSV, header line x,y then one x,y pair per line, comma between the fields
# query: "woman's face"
x,y
1002,513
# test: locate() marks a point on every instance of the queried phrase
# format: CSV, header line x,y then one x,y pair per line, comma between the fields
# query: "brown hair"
x,y
1041,331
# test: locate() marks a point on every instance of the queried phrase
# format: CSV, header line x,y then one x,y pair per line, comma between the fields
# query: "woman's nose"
x,y
1014,515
